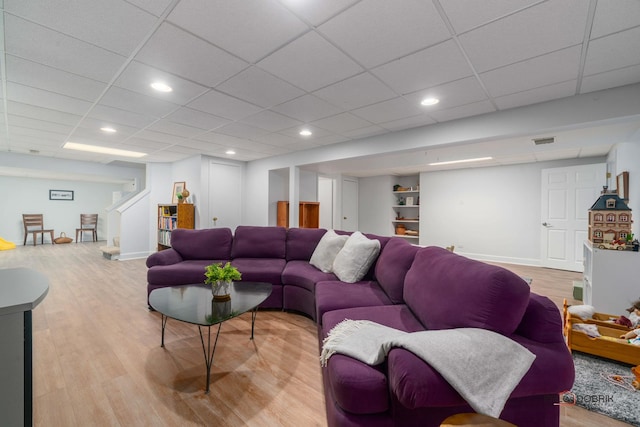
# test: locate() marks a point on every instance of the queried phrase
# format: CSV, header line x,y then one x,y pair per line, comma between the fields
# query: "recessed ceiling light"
x,y
429,101
306,132
102,150
451,162
161,87
230,152
108,129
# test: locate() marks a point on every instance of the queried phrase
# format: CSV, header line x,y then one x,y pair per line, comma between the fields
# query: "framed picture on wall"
x,y
177,188
622,183
61,195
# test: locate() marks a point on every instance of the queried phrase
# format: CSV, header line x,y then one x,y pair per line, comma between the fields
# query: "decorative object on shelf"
x,y
610,222
401,201
396,187
182,197
220,279
178,187
410,201
401,229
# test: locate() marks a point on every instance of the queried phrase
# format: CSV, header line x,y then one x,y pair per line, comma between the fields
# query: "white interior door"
x,y
349,205
225,195
567,194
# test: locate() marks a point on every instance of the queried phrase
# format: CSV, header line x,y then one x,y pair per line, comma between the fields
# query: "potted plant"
x,y
220,278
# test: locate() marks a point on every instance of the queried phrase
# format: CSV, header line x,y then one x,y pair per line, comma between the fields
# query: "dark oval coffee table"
x,y
194,304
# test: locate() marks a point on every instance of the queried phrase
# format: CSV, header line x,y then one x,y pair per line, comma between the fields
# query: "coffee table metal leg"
x,y
254,313
208,351
164,324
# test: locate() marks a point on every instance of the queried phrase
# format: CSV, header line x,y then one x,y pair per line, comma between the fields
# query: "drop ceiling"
x,y
249,75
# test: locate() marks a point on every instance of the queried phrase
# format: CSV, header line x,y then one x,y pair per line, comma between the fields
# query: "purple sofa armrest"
x,y
541,321
165,257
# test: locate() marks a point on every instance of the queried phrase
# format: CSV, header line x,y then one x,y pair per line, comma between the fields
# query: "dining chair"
x,y
89,223
34,225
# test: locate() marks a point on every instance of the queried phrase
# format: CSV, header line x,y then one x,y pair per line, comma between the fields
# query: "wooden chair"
x,y
88,222
34,225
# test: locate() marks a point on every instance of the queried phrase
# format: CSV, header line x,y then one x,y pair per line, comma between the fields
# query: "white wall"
x,y
31,195
488,213
308,186
375,199
278,190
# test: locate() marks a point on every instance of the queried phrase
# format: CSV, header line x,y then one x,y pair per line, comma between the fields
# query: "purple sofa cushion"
x,y
165,257
392,266
397,316
208,243
304,275
446,290
259,242
182,273
335,295
260,269
301,242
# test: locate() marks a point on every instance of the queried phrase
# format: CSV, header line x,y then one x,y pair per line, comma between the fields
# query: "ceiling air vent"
x,y
541,141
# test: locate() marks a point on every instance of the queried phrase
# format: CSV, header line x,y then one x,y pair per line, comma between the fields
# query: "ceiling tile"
x,y
115,25
408,123
35,43
357,91
316,12
310,62
94,125
259,87
543,70
271,121
131,101
222,105
342,123
46,126
609,79
117,116
330,139
614,16
41,113
176,129
155,7
195,118
45,99
141,144
317,133
430,67
541,29
240,130
393,109
137,77
158,137
454,94
537,95
94,134
307,108
613,52
202,62
376,31
364,132
40,76
465,15
463,111
277,139
250,28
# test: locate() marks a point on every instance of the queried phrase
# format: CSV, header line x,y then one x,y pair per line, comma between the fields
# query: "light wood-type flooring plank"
x,y
98,360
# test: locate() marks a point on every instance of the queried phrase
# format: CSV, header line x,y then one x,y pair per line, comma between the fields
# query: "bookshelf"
x,y
308,214
171,217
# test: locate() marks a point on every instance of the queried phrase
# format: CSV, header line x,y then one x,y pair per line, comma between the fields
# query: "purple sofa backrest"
x,y
445,291
209,243
392,266
259,242
301,242
541,321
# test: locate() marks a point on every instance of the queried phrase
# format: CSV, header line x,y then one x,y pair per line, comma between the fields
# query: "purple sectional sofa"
x,y
407,288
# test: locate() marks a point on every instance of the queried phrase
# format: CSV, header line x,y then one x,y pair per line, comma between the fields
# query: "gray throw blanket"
x,y
482,366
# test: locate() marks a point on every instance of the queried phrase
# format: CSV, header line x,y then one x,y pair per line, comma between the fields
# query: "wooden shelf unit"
x,y
308,214
407,214
171,217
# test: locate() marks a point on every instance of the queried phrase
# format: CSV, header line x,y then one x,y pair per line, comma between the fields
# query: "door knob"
x,y
215,218
344,217
546,224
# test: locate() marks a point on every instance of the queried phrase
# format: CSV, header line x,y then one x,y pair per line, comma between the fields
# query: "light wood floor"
x,y
98,360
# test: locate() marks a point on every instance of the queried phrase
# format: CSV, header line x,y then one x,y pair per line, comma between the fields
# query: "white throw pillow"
x,y
326,251
584,311
355,258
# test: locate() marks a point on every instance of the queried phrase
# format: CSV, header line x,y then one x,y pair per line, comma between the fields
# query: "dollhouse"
x,y
609,219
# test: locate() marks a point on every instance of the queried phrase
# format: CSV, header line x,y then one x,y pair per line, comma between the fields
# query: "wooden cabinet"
x,y
171,217
308,214
406,222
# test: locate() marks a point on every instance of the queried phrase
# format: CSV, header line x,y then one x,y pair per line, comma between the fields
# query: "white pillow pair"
x,y
348,257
